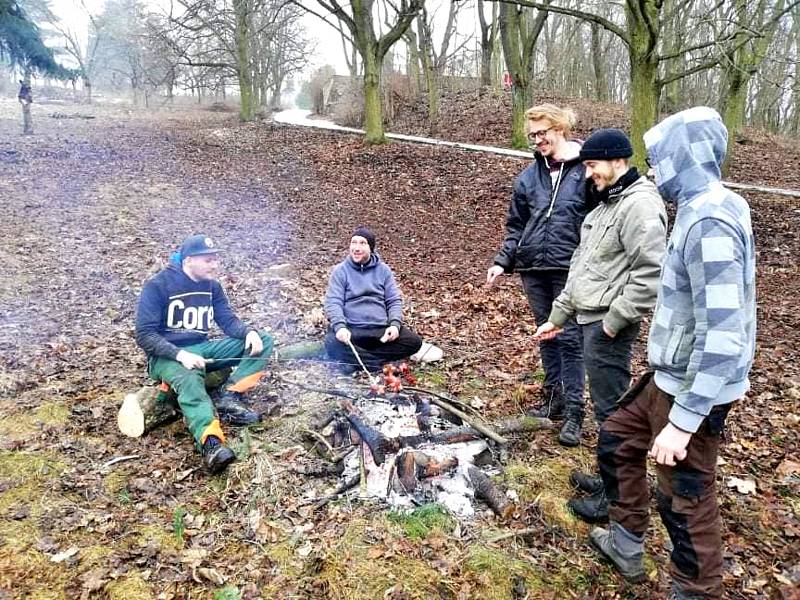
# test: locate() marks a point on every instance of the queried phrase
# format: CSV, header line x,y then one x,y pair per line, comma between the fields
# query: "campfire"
x,y
410,447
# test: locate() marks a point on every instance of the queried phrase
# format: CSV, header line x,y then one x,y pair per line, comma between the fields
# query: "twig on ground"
x,y
118,459
313,388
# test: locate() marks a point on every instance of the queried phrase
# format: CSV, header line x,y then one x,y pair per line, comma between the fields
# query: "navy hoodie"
x,y
175,311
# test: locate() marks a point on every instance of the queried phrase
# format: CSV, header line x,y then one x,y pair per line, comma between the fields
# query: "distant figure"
x,y
176,309
701,346
25,97
365,309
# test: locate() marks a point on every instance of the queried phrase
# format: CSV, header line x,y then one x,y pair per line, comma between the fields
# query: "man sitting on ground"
x,y
365,310
175,312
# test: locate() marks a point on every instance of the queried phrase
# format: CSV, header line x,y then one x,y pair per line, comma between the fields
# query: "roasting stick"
x,y
355,352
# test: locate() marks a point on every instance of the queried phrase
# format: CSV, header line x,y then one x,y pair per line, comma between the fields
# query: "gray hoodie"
x,y
702,339
363,295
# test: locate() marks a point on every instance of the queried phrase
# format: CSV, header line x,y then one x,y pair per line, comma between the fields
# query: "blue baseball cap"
x,y
198,244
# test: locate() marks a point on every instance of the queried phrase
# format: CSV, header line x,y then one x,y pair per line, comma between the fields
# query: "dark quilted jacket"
x,y
538,236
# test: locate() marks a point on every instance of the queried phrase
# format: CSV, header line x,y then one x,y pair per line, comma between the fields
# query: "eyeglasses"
x,y
535,135
647,162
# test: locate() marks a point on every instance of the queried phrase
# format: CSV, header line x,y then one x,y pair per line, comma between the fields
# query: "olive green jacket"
x,y
614,273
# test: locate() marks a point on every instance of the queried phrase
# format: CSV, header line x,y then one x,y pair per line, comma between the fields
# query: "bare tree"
x,y
357,16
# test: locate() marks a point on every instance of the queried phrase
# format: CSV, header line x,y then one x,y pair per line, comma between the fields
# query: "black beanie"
x,y
605,144
362,231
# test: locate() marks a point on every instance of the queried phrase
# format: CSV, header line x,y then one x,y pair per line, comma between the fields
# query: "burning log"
x,y
413,466
490,493
374,439
451,436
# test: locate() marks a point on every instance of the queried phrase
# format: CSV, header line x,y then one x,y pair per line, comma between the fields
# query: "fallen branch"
x,y
344,487
484,429
490,493
523,424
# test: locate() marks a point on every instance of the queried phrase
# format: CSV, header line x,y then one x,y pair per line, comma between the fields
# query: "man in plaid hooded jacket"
x,y
700,350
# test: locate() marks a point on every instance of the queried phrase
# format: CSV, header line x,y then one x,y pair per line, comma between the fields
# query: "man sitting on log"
x,y
365,310
174,316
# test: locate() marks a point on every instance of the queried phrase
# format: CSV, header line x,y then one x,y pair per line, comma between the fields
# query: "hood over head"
x,y
686,151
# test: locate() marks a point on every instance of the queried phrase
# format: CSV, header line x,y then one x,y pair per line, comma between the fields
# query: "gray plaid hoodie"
x,y
702,339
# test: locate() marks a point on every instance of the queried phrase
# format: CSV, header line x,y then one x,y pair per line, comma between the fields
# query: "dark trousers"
x,y
372,351
562,357
608,365
686,496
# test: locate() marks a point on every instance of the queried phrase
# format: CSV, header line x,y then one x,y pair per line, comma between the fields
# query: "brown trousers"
x,y
686,495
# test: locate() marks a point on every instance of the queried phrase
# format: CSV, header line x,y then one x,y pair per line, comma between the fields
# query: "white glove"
x,y
253,343
343,335
191,360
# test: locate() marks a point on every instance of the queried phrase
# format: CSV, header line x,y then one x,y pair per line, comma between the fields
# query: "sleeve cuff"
x,y
558,316
396,323
338,326
684,419
614,322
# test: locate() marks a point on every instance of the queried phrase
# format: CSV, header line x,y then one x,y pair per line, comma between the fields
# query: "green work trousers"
x,y
195,403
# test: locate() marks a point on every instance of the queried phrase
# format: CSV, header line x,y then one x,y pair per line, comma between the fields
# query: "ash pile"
x,y
409,447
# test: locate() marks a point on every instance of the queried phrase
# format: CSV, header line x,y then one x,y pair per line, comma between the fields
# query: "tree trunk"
x,y
643,32
27,120
243,62
87,89
487,45
598,66
373,114
742,64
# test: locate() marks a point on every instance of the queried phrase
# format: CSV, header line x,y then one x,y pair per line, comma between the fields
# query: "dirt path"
x,y
91,208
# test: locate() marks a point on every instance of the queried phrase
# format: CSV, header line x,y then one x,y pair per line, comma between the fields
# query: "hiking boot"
x,y
216,455
590,484
233,411
570,434
551,406
629,565
592,509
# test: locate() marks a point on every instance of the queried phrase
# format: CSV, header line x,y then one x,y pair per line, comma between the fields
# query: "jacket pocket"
x,y
671,349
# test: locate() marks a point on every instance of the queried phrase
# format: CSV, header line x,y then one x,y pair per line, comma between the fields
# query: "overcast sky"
x,y
327,41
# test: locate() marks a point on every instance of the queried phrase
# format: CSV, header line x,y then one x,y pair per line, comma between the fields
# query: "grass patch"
x,y
32,575
422,521
21,425
229,592
131,587
165,539
435,379
545,481
503,575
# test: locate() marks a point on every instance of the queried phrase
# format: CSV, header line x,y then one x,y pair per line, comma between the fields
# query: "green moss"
x,y
434,379
422,521
544,481
21,425
229,592
165,539
114,483
131,587
31,574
